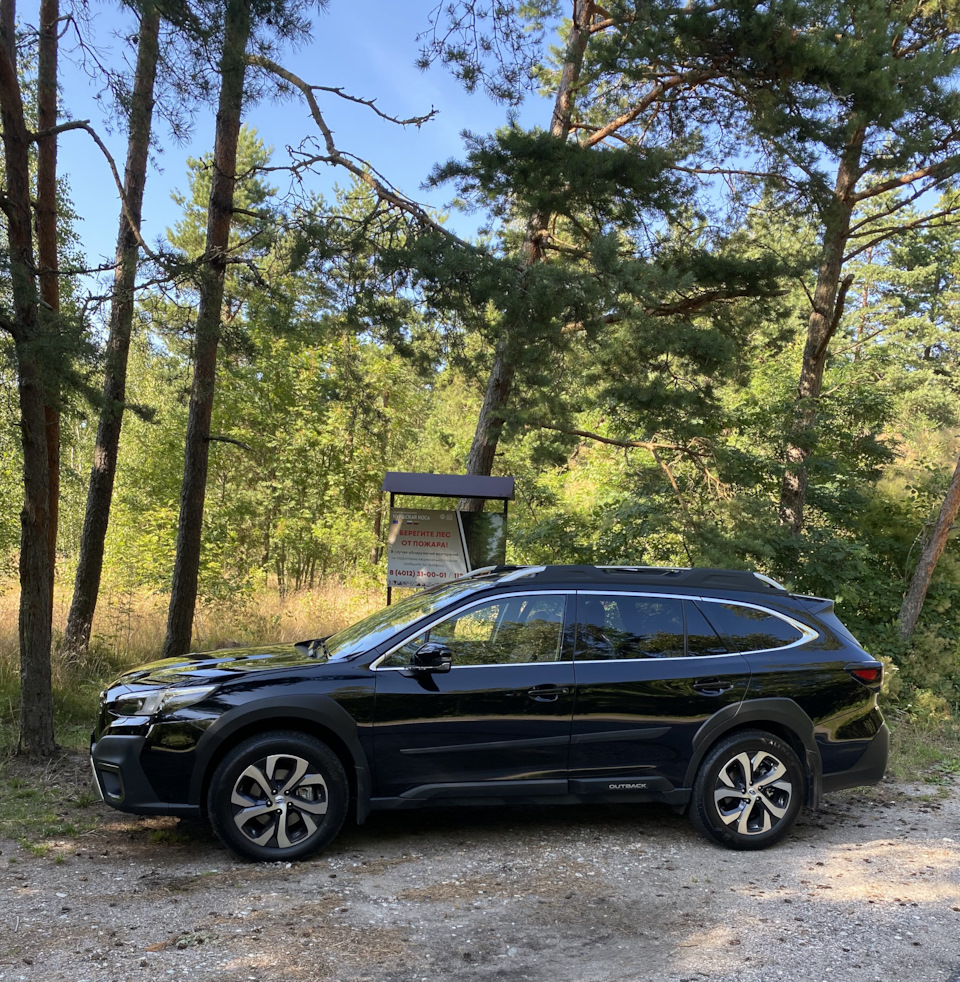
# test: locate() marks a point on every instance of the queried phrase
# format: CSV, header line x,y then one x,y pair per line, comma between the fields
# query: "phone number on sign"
x,y
423,574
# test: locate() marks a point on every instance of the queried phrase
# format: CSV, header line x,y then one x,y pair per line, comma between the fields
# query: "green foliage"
x,y
530,172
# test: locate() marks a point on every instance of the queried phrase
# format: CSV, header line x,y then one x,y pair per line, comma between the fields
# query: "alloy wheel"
x,y
748,791
753,792
279,801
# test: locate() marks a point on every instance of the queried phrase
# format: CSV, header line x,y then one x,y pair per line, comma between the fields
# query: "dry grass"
x,y
131,624
130,627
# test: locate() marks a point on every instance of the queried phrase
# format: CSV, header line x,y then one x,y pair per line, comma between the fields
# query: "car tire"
x,y
748,791
278,796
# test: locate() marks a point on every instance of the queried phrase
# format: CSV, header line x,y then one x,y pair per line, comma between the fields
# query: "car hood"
x,y
219,666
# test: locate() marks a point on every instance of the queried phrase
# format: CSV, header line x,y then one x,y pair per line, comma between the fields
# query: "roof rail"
x,y
687,576
769,580
480,571
511,572
520,572
650,569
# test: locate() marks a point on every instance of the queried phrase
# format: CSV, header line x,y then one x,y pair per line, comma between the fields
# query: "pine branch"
x,y
922,221
944,168
655,94
361,170
371,104
84,124
229,439
612,441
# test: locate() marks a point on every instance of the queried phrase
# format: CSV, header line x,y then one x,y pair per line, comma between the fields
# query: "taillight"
x,y
867,674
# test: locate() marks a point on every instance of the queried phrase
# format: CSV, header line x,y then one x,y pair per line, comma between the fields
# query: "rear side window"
x,y
629,627
749,628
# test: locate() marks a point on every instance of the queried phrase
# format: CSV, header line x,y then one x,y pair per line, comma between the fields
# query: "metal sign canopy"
x,y
449,485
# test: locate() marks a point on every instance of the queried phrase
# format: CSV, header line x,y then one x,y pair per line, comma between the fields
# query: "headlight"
x,y
149,702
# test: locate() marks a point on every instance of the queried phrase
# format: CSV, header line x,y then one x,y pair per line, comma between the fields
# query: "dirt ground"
x,y
866,890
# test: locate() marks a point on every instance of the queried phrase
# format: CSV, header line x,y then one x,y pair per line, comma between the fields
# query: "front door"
x,y
498,723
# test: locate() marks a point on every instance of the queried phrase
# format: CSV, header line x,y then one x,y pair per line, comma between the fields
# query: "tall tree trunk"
x,y
46,212
828,301
100,493
929,557
377,549
36,610
183,594
503,371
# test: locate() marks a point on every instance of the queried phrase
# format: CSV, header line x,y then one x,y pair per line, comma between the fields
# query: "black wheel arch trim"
x,y
283,712
786,718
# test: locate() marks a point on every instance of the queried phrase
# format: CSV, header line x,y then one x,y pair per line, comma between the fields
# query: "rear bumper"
x,y
869,769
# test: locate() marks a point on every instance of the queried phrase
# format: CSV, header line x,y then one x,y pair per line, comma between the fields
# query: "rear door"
x,y
650,670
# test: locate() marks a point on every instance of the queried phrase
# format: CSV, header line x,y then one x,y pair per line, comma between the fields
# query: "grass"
x,y
41,802
44,801
924,754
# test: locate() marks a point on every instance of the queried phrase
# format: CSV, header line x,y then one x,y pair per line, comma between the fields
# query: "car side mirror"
x,y
432,657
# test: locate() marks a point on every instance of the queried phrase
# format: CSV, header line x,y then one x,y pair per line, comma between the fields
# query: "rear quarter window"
x,y
750,628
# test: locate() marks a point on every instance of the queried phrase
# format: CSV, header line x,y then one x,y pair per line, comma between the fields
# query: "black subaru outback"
x,y
716,691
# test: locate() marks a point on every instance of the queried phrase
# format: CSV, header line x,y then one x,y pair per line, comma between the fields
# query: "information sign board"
x,y
425,547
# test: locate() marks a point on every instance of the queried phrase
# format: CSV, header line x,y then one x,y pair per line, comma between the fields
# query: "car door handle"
x,y
547,693
712,687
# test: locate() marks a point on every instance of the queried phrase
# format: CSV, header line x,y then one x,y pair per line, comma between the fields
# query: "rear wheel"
x,y
748,792
278,796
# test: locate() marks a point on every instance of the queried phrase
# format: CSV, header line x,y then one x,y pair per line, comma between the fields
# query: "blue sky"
x,y
366,46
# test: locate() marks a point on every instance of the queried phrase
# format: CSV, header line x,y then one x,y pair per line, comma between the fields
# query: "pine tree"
x,y
103,473
35,377
183,595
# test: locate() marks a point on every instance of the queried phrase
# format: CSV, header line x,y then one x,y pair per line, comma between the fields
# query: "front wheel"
x,y
748,791
278,796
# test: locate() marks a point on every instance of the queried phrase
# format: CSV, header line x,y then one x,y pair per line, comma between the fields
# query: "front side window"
x,y
509,630
382,624
750,628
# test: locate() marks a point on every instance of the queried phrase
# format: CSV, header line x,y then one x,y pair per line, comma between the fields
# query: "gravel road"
x,y
865,890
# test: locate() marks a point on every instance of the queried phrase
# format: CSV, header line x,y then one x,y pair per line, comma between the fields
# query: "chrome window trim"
x,y
806,633
376,667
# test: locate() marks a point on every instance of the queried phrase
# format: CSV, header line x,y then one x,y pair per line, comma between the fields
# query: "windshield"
x,y
383,624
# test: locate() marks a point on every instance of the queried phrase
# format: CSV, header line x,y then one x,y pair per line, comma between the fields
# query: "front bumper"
x,y
122,783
